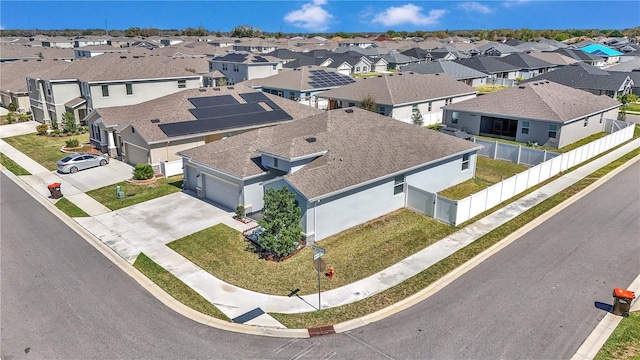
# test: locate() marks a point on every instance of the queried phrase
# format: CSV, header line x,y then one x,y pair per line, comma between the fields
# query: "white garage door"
x,y
136,155
190,174
221,191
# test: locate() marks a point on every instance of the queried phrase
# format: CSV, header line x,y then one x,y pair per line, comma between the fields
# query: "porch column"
x,y
113,152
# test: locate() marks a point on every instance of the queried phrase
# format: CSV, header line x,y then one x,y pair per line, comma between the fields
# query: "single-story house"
x,y
154,131
543,112
345,167
457,71
399,95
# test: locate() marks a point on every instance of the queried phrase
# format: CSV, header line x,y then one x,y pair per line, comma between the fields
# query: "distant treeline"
x,y
250,31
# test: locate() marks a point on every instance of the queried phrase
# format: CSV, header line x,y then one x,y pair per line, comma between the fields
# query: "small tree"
x,y
12,107
142,172
281,222
69,122
240,214
368,103
416,118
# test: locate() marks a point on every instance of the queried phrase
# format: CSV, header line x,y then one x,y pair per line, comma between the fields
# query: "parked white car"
x,y
79,161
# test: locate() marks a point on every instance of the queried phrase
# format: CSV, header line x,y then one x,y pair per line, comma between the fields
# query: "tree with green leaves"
x,y
69,122
245,31
369,103
416,118
281,222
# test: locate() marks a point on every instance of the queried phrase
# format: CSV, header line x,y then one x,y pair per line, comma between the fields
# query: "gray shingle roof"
x,y
524,61
295,79
175,108
402,88
352,158
584,76
451,68
627,66
13,74
487,64
540,100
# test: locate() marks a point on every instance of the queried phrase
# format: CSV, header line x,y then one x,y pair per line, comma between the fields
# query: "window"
x,y
525,127
414,108
236,68
553,130
275,162
352,104
465,162
454,117
182,84
357,69
429,106
448,101
275,66
586,122
129,89
398,184
381,110
601,117
105,90
224,67
96,132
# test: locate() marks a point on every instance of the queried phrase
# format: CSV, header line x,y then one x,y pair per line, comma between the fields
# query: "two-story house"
x,y
238,67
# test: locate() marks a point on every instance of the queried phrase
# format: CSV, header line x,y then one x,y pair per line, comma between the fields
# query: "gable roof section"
x,y
487,64
345,158
525,61
304,78
627,66
451,68
554,58
584,76
541,100
401,88
599,49
578,54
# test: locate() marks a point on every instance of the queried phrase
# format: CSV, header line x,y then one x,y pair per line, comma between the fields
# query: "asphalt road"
x,y
61,299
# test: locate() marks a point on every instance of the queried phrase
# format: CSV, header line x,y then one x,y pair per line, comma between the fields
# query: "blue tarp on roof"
x,y
599,49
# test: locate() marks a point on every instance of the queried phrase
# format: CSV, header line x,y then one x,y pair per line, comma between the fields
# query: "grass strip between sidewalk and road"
x,y
45,150
69,208
624,342
12,166
134,193
176,288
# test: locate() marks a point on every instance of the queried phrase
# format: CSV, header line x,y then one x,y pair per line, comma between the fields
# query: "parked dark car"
x,y
80,161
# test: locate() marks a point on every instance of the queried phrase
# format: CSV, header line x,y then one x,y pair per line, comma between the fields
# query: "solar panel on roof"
x,y
254,97
229,122
233,58
259,59
213,101
225,110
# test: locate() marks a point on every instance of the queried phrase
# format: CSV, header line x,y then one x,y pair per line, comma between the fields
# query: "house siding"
x,y
142,91
443,174
168,151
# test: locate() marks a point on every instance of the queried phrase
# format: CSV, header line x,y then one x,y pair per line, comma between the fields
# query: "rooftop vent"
x,y
437,74
399,74
202,90
230,87
311,139
546,82
155,121
520,87
123,57
348,111
410,72
216,89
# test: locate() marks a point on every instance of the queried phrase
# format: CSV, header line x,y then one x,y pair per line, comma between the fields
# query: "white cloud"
x,y
511,3
407,14
473,6
310,16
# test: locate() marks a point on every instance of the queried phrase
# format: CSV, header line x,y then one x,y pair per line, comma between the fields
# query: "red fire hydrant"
x,y
330,273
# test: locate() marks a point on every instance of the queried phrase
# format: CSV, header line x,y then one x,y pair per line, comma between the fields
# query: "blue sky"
x,y
321,15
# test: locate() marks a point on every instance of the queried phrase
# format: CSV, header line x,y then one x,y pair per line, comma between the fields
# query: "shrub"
x,y
42,129
69,122
72,143
12,107
56,131
24,117
142,172
10,118
240,214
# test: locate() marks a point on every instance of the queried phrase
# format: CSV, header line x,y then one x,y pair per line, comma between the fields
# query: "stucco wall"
x,y
442,175
167,152
142,91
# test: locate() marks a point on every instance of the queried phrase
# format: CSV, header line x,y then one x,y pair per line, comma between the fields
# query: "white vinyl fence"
x,y
517,154
170,168
456,212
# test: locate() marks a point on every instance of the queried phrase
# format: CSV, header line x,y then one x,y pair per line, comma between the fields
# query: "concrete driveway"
x,y
116,171
148,226
16,129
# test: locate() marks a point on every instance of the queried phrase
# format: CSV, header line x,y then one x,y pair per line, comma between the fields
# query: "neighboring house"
x,y
13,84
580,55
82,42
399,95
499,72
340,178
354,63
530,66
610,55
238,67
630,68
590,78
153,131
556,59
60,43
103,81
398,61
494,49
119,42
168,42
302,84
540,111
255,46
360,42
457,71
91,51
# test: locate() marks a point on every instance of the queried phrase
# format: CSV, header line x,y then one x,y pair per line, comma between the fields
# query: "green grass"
x,y
12,165
488,172
437,271
631,107
490,88
135,194
176,288
70,208
563,149
624,342
355,254
44,150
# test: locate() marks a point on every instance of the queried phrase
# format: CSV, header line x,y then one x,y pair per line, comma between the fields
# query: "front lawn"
x,y
12,165
624,342
45,150
488,172
135,194
355,254
635,107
